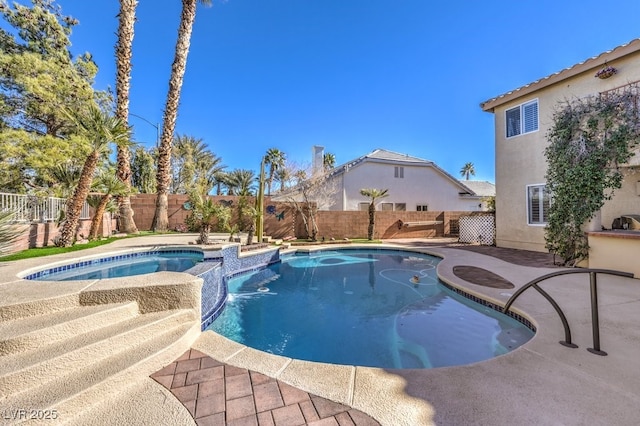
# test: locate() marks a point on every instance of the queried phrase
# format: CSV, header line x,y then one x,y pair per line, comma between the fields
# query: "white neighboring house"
x,y
413,184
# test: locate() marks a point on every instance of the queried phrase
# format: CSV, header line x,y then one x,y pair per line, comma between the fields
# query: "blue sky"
x,y
349,75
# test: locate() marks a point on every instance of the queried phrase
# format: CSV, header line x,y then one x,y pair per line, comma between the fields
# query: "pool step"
x,y
28,301
104,359
28,333
98,401
20,360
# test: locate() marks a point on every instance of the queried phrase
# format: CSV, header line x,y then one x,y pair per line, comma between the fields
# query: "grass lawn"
x,y
48,251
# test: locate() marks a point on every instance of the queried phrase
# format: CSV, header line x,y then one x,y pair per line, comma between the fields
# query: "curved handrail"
x,y
594,301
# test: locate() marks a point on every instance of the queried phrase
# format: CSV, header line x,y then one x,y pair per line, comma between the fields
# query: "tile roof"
x,y
588,64
481,188
391,156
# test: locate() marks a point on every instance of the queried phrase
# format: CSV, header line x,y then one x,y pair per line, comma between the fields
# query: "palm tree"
x,y
328,161
282,176
65,177
240,182
194,166
220,179
206,212
109,185
374,194
275,159
101,129
186,154
178,68
467,170
126,21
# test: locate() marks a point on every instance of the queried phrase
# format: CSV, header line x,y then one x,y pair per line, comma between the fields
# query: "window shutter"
x,y
530,117
513,122
534,204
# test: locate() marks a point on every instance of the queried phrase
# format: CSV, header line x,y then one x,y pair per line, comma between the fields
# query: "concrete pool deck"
x,y
541,383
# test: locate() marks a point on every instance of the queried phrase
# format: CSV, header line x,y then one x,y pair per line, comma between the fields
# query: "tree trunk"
x,y
163,176
372,221
314,225
74,206
96,221
252,229
161,218
204,234
127,17
127,223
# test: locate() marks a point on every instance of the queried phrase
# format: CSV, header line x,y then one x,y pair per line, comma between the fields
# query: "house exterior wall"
x,y
421,185
520,160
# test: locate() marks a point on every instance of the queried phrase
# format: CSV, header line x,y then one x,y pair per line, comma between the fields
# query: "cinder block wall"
x,y
281,220
42,234
354,224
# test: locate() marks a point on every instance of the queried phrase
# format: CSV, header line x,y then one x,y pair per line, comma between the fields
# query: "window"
x,y
537,204
401,207
386,207
398,172
422,208
363,207
522,119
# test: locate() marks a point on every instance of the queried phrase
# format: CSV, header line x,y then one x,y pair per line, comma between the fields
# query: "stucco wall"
x,y
626,200
520,160
615,251
421,185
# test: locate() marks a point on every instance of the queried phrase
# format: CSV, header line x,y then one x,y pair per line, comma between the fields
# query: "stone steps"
x,y
27,333
72,359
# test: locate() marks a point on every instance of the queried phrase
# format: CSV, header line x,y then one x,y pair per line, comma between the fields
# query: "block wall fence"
x,y
280,221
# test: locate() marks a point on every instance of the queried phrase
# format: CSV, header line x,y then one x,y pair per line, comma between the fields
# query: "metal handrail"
x,y
595,321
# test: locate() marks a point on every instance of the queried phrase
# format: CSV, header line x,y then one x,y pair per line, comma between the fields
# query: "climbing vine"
x,y
588,141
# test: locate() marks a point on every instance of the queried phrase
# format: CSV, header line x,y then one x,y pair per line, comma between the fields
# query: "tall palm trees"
x,y
467,170
373,194
100,128
275,159
126,21
163,174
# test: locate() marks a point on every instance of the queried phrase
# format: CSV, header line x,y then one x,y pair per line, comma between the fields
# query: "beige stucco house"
x,y
522,118
413,184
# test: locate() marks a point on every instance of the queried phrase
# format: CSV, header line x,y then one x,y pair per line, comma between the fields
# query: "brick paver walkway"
x,y
219,394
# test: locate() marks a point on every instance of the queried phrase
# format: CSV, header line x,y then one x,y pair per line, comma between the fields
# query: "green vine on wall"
x,y
588,141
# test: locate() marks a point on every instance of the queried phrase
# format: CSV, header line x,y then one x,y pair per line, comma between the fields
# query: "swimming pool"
x,y
122,265
377,308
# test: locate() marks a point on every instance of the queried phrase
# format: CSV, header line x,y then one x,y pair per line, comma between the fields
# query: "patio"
x,y
542,382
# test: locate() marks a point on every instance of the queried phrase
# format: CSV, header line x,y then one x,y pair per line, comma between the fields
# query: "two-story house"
x,y
522,119
413,184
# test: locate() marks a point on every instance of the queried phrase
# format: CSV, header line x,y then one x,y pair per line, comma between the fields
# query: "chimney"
x,y
318,159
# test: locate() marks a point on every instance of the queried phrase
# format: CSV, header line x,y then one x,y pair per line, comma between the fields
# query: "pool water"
x,y
141,263
378,308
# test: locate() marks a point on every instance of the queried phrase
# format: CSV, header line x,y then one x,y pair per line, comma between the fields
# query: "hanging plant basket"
x,y
606,72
